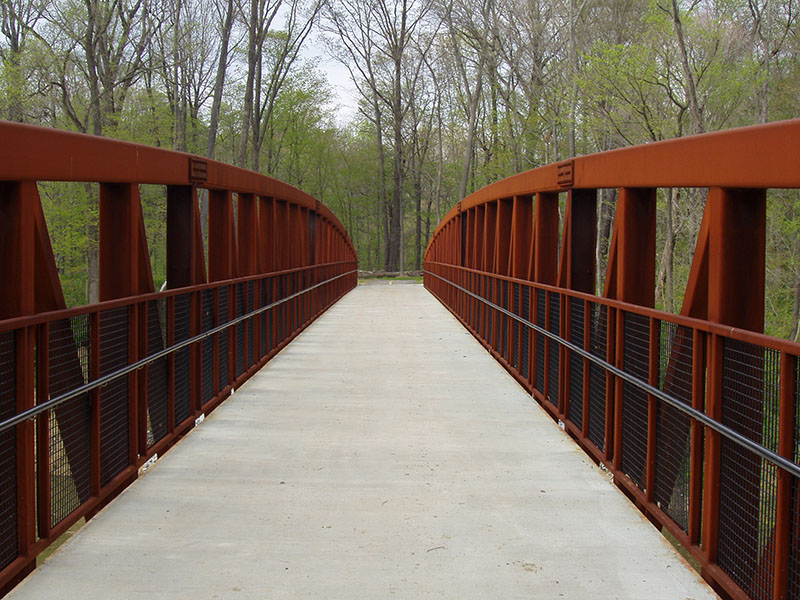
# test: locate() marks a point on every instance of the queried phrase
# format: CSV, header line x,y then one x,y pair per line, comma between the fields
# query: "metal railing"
x,y
697,416
89,395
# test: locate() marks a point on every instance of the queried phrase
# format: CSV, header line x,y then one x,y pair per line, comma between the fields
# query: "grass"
x,y
55,545
681,549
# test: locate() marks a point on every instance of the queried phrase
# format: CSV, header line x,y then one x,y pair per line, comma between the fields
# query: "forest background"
x,y
451,95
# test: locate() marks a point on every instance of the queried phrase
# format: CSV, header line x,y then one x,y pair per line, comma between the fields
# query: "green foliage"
x,y
613,77
69,210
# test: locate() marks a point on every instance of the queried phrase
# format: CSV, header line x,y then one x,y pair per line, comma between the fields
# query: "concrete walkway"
x,y
382,454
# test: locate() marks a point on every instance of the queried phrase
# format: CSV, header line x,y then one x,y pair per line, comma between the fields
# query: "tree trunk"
x,y
213,123
605,221
395,227
418,232
664,281
441,162
691,90
219,81
247,106
468,151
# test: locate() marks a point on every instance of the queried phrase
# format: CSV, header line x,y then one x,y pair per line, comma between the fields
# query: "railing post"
x,y
266,234
712,451
142,379
699,345
501,267
186,267
631,275
124,265
543,268
576,271
216,338
736,274
652,406
221,237
17,263
610,410
26,466
94,373
587,345
43,490
786,445
489,235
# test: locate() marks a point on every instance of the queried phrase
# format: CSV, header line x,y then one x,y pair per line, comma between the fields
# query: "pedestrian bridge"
x,y
382,453
356,441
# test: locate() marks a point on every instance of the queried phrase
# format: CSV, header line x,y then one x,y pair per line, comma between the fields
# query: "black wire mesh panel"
x,y
554,364
748,483
222,336
182,311
241,309
251,325
505,303
69,426
157,372
114,411
263,321
8,450
477,283
516,326
281,316
541,321
207,346
526,332
598,337
301,318
576,325
481,306
473,303
286,315
475,286
295,308
673,454
308,281
270,320
794,530
636,361
497,326
489,311
301,300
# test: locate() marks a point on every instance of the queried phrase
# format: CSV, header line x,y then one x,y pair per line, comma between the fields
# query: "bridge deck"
x,y
382,453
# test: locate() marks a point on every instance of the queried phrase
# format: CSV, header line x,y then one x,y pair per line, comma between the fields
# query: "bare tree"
x,y
380,38
225,20
353,44
18,19
270,57
107,48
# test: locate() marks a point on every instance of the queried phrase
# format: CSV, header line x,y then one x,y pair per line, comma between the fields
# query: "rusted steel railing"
x,y
696,415
88,395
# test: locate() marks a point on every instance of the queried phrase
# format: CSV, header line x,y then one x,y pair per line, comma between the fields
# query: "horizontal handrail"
x,y
735,436
734,333
52,403
43,317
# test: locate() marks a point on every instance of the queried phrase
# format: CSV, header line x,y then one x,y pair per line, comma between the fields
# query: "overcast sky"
x,y
337,75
